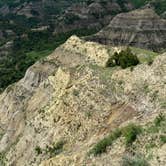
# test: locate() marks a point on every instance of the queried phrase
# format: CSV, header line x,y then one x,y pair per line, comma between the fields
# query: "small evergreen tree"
x,y
124,59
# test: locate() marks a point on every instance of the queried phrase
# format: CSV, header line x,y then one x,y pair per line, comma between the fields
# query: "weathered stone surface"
x,y
71,96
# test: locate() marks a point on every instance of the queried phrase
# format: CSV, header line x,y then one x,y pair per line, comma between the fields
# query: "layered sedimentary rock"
x,y
140,28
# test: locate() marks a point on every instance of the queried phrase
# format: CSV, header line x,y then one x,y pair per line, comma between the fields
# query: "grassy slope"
x,y
143,55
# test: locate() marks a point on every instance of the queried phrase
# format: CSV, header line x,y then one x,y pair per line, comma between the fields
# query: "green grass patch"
x,y
2,159
163,139
150,146
51,150
33,56
163,105
144,56
102,145
159,119
158,124
137,160
129,132
56,148
104,73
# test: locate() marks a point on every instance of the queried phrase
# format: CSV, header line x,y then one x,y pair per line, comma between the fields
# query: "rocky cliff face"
x,y
68,101
140,28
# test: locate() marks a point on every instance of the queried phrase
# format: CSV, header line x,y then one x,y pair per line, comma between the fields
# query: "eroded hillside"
x,y
69,101
141,28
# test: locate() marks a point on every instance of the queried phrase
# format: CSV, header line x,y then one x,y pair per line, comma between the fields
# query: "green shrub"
x,y
88,114
163,139
130,133
159,119
158,124
51,150
38,150
2,159
55,149
75,92
124,59
136,160
101,146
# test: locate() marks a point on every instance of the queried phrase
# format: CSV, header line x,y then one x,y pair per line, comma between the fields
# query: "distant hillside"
x,y
38,27
141,28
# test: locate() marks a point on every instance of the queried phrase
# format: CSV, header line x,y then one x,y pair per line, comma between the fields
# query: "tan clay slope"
x,y
116,98
71,97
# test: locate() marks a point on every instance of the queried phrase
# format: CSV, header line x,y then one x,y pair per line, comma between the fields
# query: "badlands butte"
x,y
139,28
71,109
